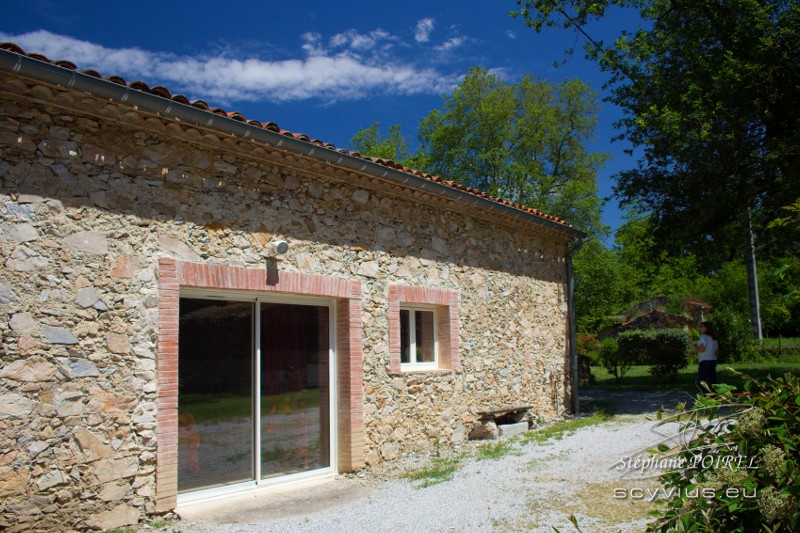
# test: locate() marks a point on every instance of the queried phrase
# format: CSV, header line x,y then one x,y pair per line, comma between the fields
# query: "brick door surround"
x,y
174,274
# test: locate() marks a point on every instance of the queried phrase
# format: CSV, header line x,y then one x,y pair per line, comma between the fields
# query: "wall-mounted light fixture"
x,y
280,247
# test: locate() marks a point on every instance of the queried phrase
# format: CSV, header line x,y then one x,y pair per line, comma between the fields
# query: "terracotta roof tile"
x,y
181,99
11,47
115,79
164,92
139,86
66,64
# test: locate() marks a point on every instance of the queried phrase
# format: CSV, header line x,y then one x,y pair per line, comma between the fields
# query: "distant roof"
x,y
163,92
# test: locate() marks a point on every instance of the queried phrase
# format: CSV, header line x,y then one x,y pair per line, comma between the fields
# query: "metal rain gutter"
x,y
46,72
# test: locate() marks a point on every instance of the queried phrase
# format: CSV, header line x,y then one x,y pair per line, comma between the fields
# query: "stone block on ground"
x,y
484,430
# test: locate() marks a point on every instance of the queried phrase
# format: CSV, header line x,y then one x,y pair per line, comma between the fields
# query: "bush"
x,y
734,335
613,360
665,350
740,470
589,346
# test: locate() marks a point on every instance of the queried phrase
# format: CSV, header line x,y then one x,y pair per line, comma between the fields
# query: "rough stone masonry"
x,y
94,193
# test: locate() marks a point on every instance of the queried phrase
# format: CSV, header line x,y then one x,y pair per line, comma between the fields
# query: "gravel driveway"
x,y
534,487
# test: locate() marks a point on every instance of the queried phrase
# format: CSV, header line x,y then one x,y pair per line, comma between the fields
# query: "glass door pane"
x,y
215,401
295,407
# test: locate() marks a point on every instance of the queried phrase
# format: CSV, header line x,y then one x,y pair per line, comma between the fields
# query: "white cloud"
x,y
422,32
376,39
511,34
312,43
500,72
351,66
450,44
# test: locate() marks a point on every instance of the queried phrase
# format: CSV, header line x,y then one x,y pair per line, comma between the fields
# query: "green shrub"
x,y
738,468
665,350
589,346
632,343
613,360
734,335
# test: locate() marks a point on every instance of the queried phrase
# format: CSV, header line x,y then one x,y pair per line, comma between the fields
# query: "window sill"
x,y
421,370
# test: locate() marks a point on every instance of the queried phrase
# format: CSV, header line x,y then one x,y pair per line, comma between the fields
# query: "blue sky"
x,y
326,69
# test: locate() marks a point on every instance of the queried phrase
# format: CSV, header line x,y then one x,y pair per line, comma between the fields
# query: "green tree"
x,y
371,142
616,362
524,142
602,287
653,270
787,271
709,92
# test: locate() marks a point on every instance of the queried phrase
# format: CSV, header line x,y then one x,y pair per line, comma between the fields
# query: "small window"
x,y
418,346
423,329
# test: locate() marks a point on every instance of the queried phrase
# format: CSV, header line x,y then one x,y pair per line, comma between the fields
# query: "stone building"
x,y
193,303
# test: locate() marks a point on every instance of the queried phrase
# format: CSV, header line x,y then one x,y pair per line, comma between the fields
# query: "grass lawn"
x,y
639,378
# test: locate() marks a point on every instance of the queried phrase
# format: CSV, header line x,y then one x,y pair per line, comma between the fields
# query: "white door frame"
x,y
258,298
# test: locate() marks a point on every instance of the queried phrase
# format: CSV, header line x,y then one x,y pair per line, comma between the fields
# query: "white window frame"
x,y
412,333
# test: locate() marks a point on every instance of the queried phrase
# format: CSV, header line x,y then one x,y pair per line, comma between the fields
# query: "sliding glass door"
x,y
237,358
215,392
294,389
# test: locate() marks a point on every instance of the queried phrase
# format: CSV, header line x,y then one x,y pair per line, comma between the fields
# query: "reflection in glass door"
x,y
215,414
227,351
294,389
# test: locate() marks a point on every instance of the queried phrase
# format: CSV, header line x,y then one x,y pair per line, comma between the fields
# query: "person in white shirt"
x,y
707,349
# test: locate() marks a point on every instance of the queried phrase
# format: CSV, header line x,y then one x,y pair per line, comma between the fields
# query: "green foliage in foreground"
x,y
739,467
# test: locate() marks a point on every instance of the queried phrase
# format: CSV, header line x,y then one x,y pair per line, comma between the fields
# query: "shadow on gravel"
x,y
631,402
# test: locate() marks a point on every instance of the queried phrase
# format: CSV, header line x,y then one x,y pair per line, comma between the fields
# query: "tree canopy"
x,y
369,141
710,91
525,142
610,281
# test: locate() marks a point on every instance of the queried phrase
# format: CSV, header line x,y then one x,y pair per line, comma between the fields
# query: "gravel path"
x,y
536,486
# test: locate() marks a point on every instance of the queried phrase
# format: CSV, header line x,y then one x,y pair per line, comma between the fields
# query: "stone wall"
x,y
94,194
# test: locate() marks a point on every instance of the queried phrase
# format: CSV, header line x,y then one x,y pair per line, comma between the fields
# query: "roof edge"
x,y
34,68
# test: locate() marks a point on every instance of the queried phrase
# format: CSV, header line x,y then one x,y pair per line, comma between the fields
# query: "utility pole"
x,y
752,280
